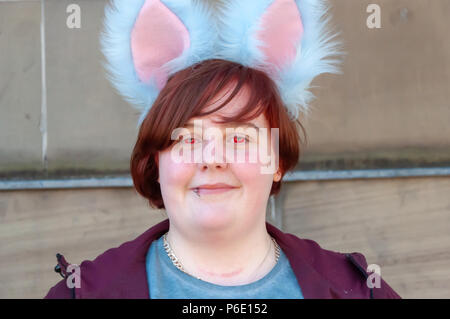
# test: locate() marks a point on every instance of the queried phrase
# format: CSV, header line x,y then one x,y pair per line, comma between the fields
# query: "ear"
x,y
277,176
146,41
288,39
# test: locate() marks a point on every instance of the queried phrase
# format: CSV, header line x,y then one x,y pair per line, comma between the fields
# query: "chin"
x,y
214,218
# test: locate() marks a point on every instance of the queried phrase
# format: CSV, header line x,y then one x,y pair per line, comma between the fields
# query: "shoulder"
x,y
111,274
118,272
345,269
91,275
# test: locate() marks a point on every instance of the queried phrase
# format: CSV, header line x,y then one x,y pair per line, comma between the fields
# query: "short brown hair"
x,y
186,94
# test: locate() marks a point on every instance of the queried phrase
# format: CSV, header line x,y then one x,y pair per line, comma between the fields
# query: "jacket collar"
x,y
121,273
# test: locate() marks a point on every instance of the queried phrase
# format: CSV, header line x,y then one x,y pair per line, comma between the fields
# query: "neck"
x,y
225,258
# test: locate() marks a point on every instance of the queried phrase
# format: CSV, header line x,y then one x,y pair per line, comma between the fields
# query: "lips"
x,y
217,188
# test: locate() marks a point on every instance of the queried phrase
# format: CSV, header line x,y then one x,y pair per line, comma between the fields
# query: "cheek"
x,y
172,174
251,177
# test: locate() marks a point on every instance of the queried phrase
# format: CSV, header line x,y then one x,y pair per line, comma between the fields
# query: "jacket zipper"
x,y
61,268
361,270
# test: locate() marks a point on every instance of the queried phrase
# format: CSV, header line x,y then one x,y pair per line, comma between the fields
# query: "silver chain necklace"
x,y
178,264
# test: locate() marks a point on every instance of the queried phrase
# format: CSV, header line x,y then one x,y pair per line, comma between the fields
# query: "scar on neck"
x,y
225,274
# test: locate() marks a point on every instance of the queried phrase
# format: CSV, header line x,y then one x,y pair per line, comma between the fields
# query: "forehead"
x,y
232,108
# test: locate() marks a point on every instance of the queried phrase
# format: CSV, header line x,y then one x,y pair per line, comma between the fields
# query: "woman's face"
x,y
191,208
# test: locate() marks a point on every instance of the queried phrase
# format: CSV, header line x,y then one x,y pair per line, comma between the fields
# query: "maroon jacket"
x,y
121,273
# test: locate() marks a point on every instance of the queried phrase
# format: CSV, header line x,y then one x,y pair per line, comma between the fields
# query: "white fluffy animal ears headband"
x,y
146,41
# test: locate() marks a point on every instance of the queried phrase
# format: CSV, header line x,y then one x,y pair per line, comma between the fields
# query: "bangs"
x,y
262,93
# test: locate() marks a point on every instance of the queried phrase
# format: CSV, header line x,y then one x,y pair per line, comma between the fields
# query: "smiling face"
x,y
239,205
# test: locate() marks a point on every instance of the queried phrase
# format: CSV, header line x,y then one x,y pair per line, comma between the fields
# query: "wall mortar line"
x,y
43,120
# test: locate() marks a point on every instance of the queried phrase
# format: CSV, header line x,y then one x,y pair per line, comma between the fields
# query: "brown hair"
x,y
186,94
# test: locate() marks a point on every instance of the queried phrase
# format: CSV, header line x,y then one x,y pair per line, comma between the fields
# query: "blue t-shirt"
x,y
166,281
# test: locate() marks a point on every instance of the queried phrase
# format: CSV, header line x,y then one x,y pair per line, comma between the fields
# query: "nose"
x,y
213,155
205,166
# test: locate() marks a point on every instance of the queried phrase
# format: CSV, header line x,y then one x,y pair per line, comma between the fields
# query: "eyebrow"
x,y
229,124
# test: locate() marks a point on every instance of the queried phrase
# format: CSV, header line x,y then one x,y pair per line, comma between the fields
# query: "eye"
x,y
240,139
190,140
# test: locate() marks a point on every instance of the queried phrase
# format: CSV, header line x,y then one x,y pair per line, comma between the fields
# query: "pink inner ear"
x,y
281,32
158,36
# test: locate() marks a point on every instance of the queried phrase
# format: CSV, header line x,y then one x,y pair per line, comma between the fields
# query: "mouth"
x,y
208,191
212,189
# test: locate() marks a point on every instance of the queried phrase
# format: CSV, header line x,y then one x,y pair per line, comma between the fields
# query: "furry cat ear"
x,y
281,34
146,41
158,37
288,39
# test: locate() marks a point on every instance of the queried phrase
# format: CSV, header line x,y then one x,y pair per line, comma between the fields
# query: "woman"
x,y
217,208
216,242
